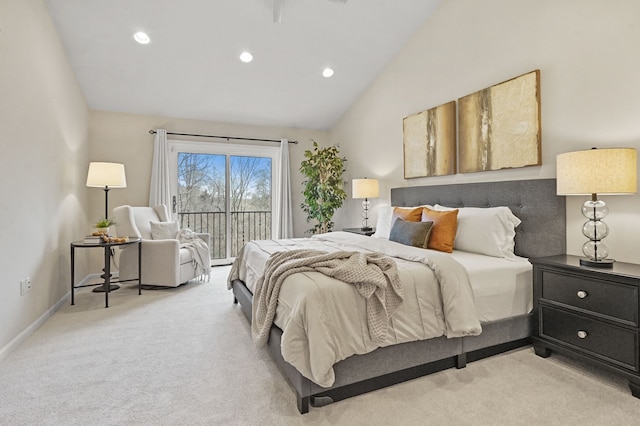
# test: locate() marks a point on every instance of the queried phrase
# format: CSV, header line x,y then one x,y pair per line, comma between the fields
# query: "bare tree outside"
x,y
201,182
202,198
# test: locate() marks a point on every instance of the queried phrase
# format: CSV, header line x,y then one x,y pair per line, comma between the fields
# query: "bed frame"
x,y
541,233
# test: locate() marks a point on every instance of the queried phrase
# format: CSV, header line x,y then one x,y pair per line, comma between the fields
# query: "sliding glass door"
x,y
225,190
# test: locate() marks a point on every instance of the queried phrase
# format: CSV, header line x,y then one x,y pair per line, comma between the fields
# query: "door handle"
x,y
173,204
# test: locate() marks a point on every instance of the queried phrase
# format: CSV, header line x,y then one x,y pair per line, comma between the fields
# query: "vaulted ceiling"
x,y
191,67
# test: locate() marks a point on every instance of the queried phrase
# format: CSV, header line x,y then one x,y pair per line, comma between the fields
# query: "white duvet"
x,y
324,320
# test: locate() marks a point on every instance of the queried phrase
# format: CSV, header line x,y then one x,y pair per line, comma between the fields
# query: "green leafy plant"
x,y
324,187
104,223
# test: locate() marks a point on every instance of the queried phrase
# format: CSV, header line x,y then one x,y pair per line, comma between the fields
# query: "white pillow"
x,y
385,220
383,226
490,231
164,230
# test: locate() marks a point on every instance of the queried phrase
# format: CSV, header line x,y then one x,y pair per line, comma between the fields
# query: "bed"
x,y
540,233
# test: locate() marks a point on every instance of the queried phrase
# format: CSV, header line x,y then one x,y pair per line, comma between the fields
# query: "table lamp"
x,y
607,171
365,188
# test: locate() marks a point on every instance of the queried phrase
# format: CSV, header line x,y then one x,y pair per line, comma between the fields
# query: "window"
x,y
226,190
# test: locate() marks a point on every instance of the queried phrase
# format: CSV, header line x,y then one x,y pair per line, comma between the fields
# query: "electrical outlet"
x,y
25,286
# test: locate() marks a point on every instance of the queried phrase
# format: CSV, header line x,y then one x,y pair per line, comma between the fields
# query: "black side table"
x,y
107,284
591,314
368,233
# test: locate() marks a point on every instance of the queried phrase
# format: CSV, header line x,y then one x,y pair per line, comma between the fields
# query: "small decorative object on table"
x,y
93,239
102,228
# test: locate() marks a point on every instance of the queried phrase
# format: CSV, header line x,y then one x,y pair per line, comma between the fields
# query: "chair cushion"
x,y
185,256
142,218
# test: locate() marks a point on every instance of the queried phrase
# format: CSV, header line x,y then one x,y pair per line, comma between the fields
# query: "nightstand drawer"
x,y
615,344
614,300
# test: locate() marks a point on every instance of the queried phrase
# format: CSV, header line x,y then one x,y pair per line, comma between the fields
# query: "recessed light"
x,y
246,57
141,37
327,72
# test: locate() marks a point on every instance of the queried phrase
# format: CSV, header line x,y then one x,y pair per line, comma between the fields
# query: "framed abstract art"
x,y
499,127
429,142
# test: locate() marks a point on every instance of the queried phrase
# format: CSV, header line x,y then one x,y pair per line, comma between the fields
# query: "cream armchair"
x,y
164,263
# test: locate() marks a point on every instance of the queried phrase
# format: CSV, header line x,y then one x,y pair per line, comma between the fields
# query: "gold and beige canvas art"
x,y
429,141
499,127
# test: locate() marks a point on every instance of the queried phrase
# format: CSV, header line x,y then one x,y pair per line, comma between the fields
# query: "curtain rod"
x,y
228,138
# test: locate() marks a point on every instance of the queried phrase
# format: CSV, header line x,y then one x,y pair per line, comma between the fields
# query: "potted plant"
x,y
102,227
324,186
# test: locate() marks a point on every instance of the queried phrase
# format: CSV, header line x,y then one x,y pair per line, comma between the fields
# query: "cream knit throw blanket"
x,y
374,275
199,251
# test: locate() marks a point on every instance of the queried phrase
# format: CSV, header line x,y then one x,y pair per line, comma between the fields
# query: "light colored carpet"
x,y
185,357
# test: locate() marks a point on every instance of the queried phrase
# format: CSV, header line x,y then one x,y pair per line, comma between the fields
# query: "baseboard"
x,y
24,335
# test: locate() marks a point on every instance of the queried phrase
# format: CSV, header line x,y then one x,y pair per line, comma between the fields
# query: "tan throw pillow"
x,y
410,214
443,232
414,234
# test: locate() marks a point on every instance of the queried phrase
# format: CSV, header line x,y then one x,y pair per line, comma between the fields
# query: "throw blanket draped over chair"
x,y
199,251
375,277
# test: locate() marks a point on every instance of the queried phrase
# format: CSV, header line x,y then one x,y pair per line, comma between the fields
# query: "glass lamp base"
x,y
602,263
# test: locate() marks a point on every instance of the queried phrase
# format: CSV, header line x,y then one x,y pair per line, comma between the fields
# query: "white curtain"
x,y
283,223
160,187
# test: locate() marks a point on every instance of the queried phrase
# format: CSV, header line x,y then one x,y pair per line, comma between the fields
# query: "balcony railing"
x,y
245,226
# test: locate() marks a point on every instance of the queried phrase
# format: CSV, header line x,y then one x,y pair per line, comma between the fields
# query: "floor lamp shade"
x,y
365,188
106,176
609,171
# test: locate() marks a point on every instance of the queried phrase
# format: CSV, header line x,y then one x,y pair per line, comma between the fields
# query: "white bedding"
x,y
502,288
319,332
488,277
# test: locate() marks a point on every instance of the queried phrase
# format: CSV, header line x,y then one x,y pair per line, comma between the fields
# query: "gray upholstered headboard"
x,y
542,212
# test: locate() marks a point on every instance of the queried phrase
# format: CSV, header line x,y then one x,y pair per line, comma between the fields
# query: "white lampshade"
x,y
592,172
365,188
597,171
110,175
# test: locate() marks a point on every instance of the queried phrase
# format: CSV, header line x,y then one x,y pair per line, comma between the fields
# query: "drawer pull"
x,y
582,334
582,294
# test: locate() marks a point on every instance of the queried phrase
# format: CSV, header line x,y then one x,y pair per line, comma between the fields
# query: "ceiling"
x,y
191,67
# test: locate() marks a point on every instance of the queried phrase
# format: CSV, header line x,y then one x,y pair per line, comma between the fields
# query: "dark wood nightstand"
x,y
360,231
591,314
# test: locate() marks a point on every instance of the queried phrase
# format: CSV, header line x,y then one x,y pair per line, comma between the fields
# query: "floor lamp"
x,y
106,176
610,171
365,188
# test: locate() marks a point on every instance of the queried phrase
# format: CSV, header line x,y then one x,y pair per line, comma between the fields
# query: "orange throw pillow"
x,y
408,214
443,232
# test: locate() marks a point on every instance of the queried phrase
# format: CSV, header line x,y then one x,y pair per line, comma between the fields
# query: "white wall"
x,y
587,53
43,152
125,138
